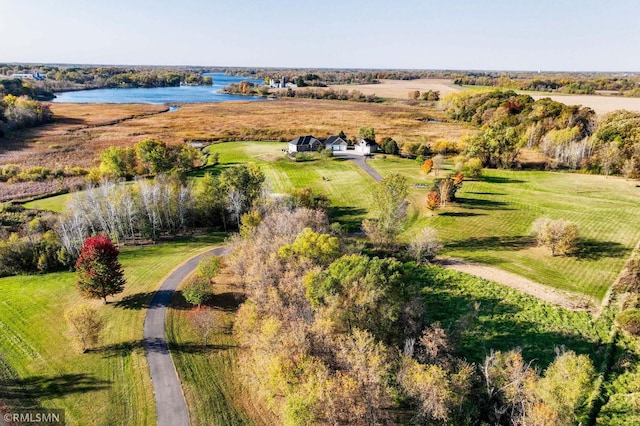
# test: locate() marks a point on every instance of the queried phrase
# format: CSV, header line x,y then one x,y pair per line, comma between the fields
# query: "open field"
x,y
399,89
108,385
600,104
491,220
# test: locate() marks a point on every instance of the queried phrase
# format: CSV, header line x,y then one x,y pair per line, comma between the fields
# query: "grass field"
x,y
109,385
491,221
346,185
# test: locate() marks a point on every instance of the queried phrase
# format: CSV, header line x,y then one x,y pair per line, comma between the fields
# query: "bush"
x,y
560,236
629,321
209,267
424,247
197,291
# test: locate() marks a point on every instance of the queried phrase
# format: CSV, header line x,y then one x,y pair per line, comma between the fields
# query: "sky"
x,y
547,35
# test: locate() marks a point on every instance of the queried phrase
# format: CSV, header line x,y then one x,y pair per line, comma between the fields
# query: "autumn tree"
x,y
202,321
85,324
98,271
389,208
427,166
560,236
433,200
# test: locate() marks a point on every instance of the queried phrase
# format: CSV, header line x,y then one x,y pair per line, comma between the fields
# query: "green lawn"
x,y
57,203
110,385
491,222
346,185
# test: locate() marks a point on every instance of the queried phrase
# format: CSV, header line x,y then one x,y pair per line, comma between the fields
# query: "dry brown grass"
x,y
399,89
82,130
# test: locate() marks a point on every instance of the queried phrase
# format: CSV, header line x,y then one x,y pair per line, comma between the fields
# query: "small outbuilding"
x,y
366,147
304,144
335,143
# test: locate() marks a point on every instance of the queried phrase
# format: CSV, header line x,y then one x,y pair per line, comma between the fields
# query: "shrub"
x,y
86,325
629,321
197,291
209,267
560,236
425,246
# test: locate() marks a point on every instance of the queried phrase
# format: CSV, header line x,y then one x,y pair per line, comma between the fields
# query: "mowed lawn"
x,y
39,361
347,186
491,222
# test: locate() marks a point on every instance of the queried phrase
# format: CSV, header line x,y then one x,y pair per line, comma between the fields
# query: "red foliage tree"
x,y
433,200
99,274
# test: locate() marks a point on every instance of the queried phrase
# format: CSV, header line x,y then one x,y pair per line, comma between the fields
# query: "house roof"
x,y
334,140
304,140
368,141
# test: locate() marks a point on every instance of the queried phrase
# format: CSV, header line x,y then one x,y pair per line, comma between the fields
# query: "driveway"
x,y
171,407
361,161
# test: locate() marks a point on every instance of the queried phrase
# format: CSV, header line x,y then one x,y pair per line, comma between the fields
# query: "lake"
x,y
161,95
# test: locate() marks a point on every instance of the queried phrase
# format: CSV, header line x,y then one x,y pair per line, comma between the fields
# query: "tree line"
x,y
569,136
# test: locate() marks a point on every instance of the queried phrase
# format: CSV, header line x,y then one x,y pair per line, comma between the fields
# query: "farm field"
x,y
399,89
490,222
108,385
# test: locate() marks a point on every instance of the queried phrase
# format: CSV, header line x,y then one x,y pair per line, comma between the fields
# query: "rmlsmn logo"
x,y
49,417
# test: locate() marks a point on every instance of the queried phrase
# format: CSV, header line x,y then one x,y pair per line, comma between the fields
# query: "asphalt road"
x,y
361,161
171,406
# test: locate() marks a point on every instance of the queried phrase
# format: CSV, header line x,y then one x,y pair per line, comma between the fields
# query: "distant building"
x,y
277,84
304,144
366,147
335,143
35,76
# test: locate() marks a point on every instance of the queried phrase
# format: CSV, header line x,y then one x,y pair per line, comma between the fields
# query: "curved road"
x,y
361,161
171,407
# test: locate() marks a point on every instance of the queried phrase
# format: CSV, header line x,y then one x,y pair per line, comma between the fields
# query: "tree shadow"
x,y
226,302
45,387
499,324
156,346
349,217
590,249
485,193
135,301
502,243
477,203
500,179
461,214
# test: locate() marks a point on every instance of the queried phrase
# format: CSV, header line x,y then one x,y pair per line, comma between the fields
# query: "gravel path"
x,y
171,407
565,299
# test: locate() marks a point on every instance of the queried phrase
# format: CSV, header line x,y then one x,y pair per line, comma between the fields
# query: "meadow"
x,y
40,363
491,222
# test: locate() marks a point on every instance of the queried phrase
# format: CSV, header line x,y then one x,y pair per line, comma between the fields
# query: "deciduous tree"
x,y
98,271
86,325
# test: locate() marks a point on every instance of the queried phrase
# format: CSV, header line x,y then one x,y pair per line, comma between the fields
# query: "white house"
x,y
304,144
366,147
335,143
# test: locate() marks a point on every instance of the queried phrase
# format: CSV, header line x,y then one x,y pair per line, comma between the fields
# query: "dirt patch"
x,y
567,300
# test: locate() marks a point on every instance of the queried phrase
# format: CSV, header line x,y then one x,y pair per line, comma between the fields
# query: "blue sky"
x,y
578,35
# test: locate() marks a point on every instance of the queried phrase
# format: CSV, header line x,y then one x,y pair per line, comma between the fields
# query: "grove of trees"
x,y
331,335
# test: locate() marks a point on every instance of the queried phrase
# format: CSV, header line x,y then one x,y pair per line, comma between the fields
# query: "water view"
x,y
161,95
